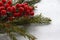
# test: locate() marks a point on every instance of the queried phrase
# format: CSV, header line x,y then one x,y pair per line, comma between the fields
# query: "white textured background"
x,y
49,8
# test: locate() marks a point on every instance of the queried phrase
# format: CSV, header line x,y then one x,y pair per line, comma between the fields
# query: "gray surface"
x,y
4,37
49,8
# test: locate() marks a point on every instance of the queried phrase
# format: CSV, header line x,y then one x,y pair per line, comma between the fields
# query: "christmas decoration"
x,y
13,14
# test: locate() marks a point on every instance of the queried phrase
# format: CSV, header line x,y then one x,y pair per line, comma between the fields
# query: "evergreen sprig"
x,y
13,26
23,33
40,19
30,2
36,19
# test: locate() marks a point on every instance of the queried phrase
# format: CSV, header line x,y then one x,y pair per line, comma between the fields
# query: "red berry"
x,y
21,9
9,9
32,13
4,1
16,14
20,14
2,8
9,2
1,4
13,9
27,11
26,3
30,8
22,5
3,12
7,5
26,7
18,5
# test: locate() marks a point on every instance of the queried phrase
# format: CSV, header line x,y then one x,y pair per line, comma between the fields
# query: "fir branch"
x,y
30,2
9,32
18,30
23,33
40,19
18,1
2,28
12,36
36,19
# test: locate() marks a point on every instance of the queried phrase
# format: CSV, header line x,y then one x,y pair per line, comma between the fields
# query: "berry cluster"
x,y
18,10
